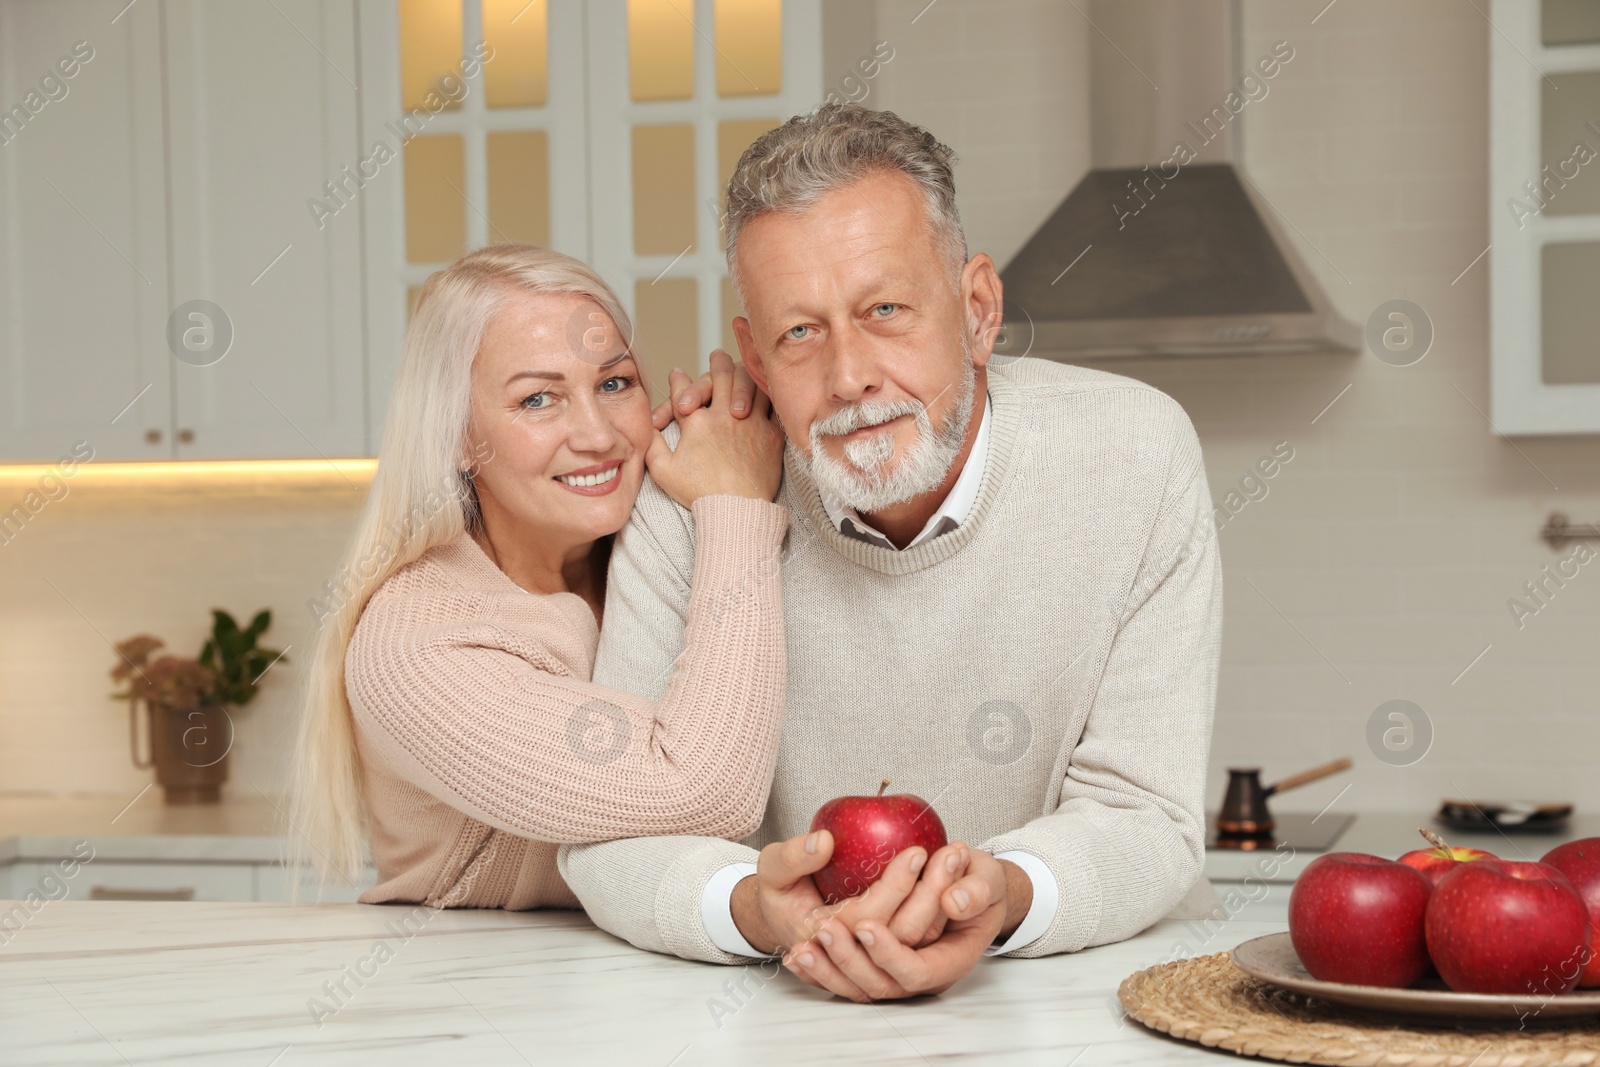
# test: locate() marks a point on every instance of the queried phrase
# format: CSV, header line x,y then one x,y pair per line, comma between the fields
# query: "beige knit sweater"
x,y
484,744
1044,674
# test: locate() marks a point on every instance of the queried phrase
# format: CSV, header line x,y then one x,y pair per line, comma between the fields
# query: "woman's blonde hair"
x,y
421,496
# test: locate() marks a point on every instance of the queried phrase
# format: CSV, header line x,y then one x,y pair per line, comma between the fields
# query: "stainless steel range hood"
x,y
1160,251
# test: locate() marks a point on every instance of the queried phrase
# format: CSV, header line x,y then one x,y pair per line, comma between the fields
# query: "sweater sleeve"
x,y
647,891
1127,840
479,715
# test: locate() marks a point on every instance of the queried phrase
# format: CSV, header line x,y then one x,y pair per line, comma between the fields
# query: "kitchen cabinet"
x,y
146,881
83,249
272,885
106,848
212,232
669,126
1544,217
262,111
265,881
174,168
605,130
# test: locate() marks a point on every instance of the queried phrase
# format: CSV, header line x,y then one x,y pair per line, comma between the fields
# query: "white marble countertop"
x,y
223,984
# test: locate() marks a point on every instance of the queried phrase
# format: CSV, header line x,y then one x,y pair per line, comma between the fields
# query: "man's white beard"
x,y
863,483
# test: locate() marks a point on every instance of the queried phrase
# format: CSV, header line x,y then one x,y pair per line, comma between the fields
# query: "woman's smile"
x,y
597,480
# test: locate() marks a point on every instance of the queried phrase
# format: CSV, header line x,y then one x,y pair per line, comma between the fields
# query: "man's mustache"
x,y
865,413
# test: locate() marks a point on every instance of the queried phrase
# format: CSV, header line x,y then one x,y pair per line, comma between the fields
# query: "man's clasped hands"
x,y
918,929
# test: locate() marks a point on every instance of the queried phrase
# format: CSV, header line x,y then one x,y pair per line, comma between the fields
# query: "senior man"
x,y
1001,590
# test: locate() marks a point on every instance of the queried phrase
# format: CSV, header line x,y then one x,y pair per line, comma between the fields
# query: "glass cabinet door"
x,y
473,117
605,129
1544,214
678,90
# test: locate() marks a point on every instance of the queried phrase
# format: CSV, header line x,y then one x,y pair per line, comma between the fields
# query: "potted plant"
x,y
187,701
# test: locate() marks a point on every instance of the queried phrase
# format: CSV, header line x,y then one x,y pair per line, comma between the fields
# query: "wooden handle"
x,y
1305,777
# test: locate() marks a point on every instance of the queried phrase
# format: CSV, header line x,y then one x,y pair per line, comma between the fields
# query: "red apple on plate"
x,y
868,832
1580,862
1441,859
1496,926
1358,918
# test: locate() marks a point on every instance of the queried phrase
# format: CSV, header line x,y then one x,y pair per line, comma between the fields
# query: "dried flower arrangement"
x,y
226,671
187,700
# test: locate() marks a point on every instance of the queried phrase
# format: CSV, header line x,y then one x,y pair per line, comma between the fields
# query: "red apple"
x,y
1580,862
1358,918
868,832
1441,859
1495,926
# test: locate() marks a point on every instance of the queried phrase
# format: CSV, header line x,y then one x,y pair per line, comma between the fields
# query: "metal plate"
x,y
1272,959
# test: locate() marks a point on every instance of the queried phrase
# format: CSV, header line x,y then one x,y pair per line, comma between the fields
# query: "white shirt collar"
x,y
952,513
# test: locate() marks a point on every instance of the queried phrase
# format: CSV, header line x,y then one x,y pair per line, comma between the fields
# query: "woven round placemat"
x,y
1210,1001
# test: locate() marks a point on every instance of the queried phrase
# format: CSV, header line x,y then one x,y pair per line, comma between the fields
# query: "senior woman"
x,y
450,712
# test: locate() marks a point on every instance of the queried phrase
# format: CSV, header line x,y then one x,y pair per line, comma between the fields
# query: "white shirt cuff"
x,y
716,911
1041,913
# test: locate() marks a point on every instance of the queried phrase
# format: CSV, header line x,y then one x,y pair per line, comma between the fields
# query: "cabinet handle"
x,y
153,436
186,437
101,892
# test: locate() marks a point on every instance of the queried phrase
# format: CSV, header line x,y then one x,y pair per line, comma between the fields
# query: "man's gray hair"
x,y
790,168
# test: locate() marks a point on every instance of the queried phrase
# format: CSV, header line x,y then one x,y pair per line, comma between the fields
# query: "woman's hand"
x,y
718,452
684,394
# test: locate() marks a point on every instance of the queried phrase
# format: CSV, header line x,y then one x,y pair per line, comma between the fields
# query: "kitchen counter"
x,y
249,829
144,849
1391,834
241,829
264,984
220,984
231,851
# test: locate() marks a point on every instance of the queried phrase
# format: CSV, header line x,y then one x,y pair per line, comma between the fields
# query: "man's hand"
x,y
864,954
921,918
685,396
780,906
963,899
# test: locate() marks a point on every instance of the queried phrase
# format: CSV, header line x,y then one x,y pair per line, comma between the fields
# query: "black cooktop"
x,y
1302,832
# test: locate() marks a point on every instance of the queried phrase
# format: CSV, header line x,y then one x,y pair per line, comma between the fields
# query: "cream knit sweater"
x,y
1044,674
484,744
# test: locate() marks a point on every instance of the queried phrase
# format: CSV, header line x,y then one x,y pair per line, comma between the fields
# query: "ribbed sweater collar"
x,y
800,493
468,568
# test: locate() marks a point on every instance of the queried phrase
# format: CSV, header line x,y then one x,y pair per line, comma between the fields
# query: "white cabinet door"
x,y
113,880
262,113
83,271
1544,219
273,886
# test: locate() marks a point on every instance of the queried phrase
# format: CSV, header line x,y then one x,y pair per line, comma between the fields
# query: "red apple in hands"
x,y
1441,859
1580,862
1358,918
868,832
1494,926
